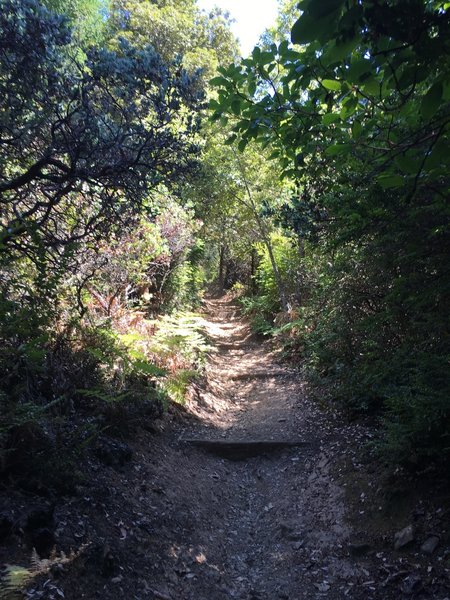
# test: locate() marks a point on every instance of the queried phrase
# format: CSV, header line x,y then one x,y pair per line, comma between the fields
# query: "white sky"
x,y
252,18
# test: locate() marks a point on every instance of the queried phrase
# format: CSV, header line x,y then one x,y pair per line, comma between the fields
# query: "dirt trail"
x,y
180,523
268,527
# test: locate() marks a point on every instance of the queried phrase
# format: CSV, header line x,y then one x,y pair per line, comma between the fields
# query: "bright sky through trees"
x,y
252,18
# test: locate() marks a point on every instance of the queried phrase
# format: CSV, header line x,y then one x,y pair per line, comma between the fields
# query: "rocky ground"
x,y
286,503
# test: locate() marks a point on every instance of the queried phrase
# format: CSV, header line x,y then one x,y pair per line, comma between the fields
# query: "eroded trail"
x,y
262,527
188,523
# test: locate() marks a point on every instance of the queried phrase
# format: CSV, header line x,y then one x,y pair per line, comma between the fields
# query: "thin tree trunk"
x,y
253,271
266,240
222,269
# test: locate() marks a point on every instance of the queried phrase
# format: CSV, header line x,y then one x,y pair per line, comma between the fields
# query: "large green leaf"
x,y
236,106
408,164
390,180
318,9
219,82
148,368
431,101
439,156
356,129
331,84
357,69
308,29
337,149
330,118
242,144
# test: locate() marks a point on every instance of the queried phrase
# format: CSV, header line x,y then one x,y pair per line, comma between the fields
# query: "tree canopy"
x,y
143,161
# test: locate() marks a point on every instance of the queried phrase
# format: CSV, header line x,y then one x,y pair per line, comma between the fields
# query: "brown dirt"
x,y
179,523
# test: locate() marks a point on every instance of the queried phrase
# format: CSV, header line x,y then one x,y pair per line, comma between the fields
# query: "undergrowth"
x,y
103,377
15,578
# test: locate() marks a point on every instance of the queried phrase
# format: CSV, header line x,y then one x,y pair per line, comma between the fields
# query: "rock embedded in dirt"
x,y
36,516
112,452
43,540
290,531
404,537
412,584
6,525
360,549
430,544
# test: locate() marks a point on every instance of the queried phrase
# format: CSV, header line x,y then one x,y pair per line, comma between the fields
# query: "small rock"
x,y
298,545
359,549
289,532
6,525
112,452
43,540
322,587
412,584
102,559
158,595
404,537
294,536
430,544
36,516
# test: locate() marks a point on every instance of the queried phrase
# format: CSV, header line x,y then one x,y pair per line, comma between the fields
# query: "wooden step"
x,y
242,449
257,375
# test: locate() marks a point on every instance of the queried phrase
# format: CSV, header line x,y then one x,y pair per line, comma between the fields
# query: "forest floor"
x,y
307,521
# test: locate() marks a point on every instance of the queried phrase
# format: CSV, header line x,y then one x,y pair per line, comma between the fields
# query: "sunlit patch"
x,y
200,558
174,551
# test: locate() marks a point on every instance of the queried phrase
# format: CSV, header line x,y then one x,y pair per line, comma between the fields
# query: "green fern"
x,y
15,577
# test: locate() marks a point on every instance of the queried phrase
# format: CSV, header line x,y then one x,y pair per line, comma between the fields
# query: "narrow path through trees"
x,y
188,521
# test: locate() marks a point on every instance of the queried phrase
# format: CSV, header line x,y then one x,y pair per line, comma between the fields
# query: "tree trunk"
x,y
253,272
222,269
266,239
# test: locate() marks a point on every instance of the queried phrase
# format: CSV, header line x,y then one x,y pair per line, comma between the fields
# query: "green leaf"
x,y
356,129
290,173
308,29
341,50
358,68
148,368
321,9
446,89
219,82
213,104
431,101
266,57
390,181
330,118
331,84
371,86
408,164
230,140
337,149
256,52
242,144
440,155
236,106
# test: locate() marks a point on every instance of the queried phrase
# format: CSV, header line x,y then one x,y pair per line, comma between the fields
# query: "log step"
x,y
242,449
266,375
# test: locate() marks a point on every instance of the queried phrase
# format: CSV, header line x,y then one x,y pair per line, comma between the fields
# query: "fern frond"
x,y
14,579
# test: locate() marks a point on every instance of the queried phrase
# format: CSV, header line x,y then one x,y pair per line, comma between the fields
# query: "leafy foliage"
x,y
99,136
86,141
356,113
